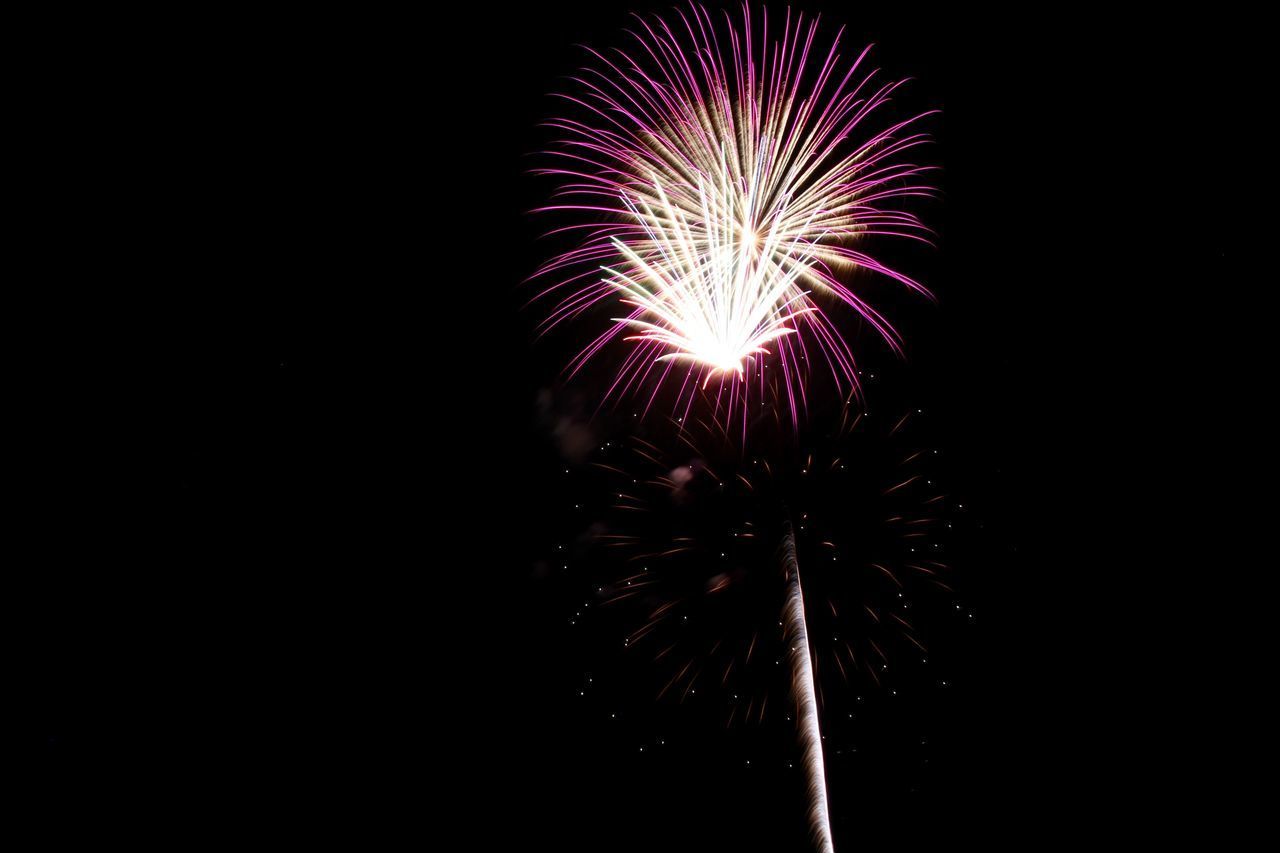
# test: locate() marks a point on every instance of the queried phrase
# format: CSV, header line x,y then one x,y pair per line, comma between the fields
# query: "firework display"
x,y
725,174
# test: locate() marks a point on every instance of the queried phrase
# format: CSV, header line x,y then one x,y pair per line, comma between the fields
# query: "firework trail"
x,y
806,701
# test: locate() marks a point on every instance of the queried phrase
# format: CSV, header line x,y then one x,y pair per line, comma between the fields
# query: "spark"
x,y
806,704
716,305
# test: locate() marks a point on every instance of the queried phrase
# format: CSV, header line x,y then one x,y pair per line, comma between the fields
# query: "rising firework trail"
x,y
800,658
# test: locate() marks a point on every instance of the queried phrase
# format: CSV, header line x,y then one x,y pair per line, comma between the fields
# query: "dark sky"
x,y
319,605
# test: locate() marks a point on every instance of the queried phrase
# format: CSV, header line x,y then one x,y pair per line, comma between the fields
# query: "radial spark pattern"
x,y
727,175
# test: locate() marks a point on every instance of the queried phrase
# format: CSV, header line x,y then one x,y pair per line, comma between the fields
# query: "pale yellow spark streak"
x,y
711,296
806,702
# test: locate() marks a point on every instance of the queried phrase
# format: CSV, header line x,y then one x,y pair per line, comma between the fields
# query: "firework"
x,y
806,700
726,177
684,529
681,554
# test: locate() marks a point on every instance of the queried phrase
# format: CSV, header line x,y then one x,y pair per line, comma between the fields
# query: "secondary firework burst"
x,y
683,558
728,176
686,530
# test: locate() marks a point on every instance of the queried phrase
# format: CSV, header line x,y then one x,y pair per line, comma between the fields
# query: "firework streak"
x,y
806,703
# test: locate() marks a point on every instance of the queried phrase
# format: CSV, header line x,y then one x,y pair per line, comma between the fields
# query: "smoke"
x,y
569,428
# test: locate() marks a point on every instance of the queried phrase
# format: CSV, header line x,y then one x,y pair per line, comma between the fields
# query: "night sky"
x,y
323,583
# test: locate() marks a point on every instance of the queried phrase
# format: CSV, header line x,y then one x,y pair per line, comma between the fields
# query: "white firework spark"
x,y
711,296
806,702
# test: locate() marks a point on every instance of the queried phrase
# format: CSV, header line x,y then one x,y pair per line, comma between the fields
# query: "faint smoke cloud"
x,y
567,425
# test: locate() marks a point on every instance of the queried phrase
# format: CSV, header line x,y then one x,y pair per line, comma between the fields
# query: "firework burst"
x,y
688,531
683,555
726,177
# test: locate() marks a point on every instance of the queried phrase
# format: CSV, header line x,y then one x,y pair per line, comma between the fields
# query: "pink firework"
x,y
727,180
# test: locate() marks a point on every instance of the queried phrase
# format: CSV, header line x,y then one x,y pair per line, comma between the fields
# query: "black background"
x,y
299,591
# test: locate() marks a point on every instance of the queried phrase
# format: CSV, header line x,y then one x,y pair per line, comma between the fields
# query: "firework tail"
x,y
806,702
